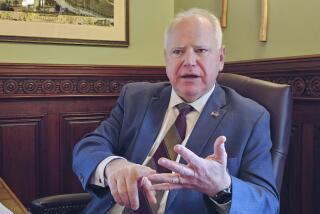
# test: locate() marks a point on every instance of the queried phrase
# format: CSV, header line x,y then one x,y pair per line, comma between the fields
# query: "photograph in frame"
x,y
83,22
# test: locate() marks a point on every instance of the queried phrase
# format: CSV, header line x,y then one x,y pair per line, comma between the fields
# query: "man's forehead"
x,y
183,46
191,29
191,40
191,24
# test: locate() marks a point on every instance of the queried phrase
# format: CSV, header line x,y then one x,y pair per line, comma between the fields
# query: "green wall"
x,y
294,30
148,19
294,27
210,5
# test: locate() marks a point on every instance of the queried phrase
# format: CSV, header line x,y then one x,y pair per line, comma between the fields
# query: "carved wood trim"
x,y
38,80
43,80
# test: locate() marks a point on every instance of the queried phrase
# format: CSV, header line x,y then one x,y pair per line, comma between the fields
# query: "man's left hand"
x,y
208,175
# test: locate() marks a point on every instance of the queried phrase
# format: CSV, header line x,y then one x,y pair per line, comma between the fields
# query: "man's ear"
x,y
222,53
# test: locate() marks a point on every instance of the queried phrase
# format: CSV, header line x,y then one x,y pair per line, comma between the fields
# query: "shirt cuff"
x,y
98,177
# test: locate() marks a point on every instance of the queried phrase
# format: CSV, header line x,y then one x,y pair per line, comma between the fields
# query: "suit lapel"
x,y
208,121
151,124
212,114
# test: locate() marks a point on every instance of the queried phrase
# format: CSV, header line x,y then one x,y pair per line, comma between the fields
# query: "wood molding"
x,y
44,80
40,80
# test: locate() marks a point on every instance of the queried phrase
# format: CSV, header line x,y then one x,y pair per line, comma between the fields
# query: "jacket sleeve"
x,y
98,145
254,190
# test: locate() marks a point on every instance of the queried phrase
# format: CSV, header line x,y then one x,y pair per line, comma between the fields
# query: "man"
x,y
112,162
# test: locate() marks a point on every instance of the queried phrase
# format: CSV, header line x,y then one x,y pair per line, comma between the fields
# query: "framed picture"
x,y
79,22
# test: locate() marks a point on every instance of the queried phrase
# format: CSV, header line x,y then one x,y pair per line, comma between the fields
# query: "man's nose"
x,y
190,58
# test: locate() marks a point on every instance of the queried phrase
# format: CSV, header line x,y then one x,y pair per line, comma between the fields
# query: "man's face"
x,y
193,59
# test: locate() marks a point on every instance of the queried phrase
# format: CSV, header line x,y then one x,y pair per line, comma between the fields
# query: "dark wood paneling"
x,y
316,167
290,189
32,80
73,127
21,141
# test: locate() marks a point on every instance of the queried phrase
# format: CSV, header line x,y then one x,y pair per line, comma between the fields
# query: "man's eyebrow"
x,y
201,46
178,47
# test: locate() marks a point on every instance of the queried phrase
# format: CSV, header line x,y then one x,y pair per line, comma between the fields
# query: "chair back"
x,y
277,99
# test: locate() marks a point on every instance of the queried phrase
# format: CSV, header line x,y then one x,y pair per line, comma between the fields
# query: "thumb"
x,y
220,153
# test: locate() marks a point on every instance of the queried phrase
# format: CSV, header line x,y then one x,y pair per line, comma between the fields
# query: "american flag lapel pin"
x,y
215,114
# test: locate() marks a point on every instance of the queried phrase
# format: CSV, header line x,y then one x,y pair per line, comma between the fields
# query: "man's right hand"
x,y
125,179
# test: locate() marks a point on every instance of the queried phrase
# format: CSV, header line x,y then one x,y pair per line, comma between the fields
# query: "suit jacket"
x,y
133,126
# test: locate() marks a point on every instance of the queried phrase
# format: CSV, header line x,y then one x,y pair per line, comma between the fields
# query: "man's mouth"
x,y
190,76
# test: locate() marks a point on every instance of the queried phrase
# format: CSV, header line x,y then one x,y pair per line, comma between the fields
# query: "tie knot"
x,y
184,108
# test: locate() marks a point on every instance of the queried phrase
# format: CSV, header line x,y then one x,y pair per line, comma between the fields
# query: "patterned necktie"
x,y
175,135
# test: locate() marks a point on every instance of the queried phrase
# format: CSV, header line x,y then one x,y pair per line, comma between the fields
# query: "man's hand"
x,y
125,179
207,175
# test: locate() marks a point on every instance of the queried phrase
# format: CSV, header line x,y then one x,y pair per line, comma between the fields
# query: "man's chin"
x,y
190,96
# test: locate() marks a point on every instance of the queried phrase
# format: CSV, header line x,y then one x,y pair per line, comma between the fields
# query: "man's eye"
x,y
201,51
177,52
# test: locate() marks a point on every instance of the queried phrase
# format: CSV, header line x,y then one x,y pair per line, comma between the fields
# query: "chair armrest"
x,y
68,203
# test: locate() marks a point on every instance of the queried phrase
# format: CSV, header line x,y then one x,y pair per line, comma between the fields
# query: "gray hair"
x,y
197,13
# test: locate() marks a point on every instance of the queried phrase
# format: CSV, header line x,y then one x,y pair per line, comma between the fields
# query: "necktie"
x,y
175,135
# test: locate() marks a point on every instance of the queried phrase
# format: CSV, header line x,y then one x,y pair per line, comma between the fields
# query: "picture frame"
x,y
75,22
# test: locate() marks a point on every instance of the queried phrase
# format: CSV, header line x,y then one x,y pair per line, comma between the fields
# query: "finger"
x,y
150,195
122,189
188,155
176,167
145,171
166,186
220,153
112,183
165,178
132,188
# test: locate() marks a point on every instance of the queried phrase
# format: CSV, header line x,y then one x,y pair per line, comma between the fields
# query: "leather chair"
x,y
276,98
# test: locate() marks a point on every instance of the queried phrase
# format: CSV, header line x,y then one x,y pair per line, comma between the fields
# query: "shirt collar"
x,y
197,104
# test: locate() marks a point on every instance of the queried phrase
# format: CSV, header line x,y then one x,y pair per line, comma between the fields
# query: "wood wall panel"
x,y
72,97
21,141
292,188
316,168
